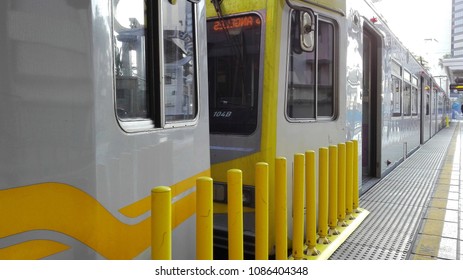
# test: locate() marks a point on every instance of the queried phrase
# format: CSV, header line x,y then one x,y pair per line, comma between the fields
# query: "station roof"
x,y
454,68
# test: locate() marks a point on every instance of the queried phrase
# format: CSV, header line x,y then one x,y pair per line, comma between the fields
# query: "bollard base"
x,y
350,216
342,224
312,251
323,240
333,231
326,250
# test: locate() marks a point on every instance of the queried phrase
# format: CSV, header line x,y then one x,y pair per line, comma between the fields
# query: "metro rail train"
x,y
296,75
102,100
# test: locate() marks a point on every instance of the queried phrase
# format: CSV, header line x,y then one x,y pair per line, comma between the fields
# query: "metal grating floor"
x,y
396,205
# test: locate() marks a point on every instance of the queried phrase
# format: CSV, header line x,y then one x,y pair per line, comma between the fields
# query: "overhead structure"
x,y
454,69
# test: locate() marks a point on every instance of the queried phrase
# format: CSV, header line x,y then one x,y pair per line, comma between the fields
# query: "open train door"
x,y
425,118
371,108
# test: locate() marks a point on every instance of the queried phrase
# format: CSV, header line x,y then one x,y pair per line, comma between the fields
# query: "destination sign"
x,y
236,22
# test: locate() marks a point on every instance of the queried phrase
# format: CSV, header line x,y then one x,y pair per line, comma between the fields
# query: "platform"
x,y
416,210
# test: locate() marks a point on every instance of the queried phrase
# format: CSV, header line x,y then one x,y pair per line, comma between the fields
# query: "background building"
x,y
457,28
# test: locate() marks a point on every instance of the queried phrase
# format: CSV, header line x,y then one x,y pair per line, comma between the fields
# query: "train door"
x,y
371,121
435,97
425,110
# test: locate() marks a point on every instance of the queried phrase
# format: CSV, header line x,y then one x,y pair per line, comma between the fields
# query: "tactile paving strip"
x,y
396,206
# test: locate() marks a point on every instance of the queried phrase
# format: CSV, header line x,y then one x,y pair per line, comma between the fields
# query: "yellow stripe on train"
x,y
68,210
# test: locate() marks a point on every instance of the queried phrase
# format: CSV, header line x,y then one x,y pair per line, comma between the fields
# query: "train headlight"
x,y
220,194
248,196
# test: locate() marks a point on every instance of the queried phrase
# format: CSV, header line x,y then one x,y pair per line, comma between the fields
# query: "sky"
x,y
423,26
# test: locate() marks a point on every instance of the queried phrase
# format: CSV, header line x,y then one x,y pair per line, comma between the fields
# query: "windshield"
x,y
234,46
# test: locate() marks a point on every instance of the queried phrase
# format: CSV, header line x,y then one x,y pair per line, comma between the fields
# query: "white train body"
x,y
75,175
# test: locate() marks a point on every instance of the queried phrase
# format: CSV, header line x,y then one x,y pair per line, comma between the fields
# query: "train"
x,y
104,100
100,103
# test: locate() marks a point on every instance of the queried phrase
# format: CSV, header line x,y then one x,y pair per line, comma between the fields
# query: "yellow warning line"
x,y
429,244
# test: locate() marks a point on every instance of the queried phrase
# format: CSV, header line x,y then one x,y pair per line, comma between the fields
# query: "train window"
x,y
440,104
407,76
414,101
234,51
311,88
180,98
155,82
407,99
130,60
427,103
396,102
407,94
396,96
396,69
325,60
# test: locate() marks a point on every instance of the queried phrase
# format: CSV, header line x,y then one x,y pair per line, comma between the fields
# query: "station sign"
x,y
458,87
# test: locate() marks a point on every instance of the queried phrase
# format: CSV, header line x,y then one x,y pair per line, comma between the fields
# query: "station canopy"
x,y
454,69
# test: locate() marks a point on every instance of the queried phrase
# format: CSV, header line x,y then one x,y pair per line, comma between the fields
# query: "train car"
x,y
402,105
294,75
101,102
104,100
276,87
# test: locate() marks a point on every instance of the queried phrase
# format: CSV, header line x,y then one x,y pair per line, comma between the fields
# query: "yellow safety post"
x,y
342,185
298,207
355,190
333,191
161,223
349,179
235,214
281,231
262,206
447,121
323,196
311,204
204,214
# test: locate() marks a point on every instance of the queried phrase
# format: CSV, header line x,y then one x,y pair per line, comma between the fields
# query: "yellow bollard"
x,y
261,183
281,231
333,191
342,185
235,214
204,223
298,207
323,196
311,203
447,121
355,190
161,223
349,179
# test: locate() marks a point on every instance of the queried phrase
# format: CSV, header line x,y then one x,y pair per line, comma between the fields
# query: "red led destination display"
x,y
236,22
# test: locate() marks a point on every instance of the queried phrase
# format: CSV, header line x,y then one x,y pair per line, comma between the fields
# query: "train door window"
x,y
311,89
234,65
440,103
396,89
130,60
155,82
407,94
325,89
415,99
427,100
180,98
